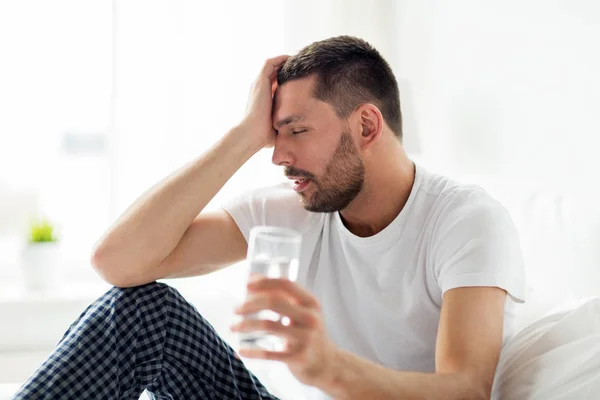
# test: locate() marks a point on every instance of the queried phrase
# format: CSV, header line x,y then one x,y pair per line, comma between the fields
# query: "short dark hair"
x,y
349,72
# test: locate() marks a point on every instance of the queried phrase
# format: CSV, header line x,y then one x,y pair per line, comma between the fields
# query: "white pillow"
x,y
555,357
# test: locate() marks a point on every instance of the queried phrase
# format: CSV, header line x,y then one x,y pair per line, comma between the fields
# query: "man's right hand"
x,y
258,119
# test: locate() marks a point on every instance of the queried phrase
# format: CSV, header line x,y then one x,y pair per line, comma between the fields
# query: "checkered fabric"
x,y
145,337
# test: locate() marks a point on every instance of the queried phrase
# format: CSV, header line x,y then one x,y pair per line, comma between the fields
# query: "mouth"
x,y
300,184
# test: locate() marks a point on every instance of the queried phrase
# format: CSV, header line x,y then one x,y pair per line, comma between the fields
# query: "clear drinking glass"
x,y
273,252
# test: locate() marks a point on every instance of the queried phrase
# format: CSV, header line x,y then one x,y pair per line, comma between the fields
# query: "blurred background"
x,y
101,99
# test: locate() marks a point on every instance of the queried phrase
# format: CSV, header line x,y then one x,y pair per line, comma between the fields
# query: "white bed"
x,y
556,357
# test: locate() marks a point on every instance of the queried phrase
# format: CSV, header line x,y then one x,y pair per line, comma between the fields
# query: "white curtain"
x,y
183,73
55,89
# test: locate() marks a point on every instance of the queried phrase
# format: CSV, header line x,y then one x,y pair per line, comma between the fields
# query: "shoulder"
x,y
474,241
454,201
465,218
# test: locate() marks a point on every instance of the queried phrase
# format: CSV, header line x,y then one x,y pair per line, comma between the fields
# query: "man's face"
x,y
316,148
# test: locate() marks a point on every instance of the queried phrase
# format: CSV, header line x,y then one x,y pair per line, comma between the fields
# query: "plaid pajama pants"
x,y
145,337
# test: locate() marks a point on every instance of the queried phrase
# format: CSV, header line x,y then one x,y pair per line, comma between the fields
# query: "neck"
x,y
385,192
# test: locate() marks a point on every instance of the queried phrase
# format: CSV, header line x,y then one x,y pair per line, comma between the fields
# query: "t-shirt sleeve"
x,y
477,244
245,211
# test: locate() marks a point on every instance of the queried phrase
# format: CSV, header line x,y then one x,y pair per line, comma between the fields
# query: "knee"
x,y
130,290
143,295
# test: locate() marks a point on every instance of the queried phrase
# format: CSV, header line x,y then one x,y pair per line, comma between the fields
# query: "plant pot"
x,y
40,265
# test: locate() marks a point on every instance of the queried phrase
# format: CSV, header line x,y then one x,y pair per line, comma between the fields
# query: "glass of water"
x,y
273,252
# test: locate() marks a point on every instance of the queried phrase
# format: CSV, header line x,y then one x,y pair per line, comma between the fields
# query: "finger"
x,y
255,276
273,64
293,334
297,314
298,293
266,355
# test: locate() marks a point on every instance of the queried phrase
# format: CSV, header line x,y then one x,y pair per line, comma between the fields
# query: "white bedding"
x,y
556,357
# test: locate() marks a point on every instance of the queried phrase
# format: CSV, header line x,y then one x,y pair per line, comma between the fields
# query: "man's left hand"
x,y
309,353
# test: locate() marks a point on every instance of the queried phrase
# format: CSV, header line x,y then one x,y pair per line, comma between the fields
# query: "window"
x,y
55,102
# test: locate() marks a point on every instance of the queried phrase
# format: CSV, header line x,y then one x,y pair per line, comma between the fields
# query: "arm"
x,y
164,234
134,249
467,352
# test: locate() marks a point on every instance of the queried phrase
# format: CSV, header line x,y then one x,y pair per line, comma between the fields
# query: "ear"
x,y
370,122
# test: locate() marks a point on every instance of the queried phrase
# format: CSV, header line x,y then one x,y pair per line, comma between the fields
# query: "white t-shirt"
x,y
381,295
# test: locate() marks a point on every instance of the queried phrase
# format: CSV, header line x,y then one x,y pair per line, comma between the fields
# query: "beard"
x,y
340,184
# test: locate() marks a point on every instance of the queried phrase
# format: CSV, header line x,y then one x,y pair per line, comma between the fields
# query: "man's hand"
x,y
258,119
309,353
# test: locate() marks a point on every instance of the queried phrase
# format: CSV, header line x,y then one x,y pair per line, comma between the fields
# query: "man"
x,y
407,279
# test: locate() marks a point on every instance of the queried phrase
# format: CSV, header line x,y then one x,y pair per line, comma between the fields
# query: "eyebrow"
x,y
289,120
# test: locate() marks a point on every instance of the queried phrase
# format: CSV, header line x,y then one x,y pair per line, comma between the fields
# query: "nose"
x,y
282,152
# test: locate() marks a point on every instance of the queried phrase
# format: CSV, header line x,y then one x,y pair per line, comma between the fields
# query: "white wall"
x,y
508,90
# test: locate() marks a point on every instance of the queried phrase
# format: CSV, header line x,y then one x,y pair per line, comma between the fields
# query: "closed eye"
x,y
298,131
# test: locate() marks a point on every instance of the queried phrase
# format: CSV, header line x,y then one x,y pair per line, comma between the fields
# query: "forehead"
x,y
301,88
296,98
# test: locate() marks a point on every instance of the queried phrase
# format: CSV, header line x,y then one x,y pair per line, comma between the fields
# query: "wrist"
x,y
244,134
235,147
332,381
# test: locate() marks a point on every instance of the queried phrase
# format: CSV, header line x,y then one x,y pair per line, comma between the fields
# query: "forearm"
x,y
352,377
150,228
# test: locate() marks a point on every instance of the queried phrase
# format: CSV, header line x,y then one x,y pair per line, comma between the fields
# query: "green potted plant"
x,y
42,231
41,255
